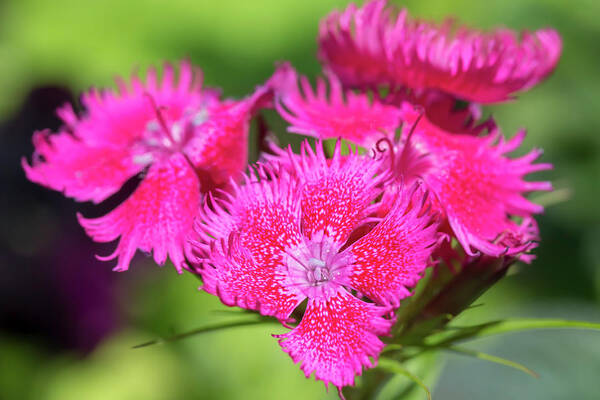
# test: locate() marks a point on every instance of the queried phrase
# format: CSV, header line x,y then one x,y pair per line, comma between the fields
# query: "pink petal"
x,y
479,188
84,172
352,44
393,255
337,192
157,217
341,113
336,338
443,109
375,45
219,150
119,118
248,235
219,147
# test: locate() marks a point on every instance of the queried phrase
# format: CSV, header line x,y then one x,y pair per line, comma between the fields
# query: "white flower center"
x,y
162,138
316,268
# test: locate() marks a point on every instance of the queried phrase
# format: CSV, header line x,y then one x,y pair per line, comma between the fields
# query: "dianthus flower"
x,y
364,119
374,45
325,113
479,188
475,186
287,236
184,139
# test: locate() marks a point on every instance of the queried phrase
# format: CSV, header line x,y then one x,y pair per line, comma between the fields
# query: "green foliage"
x,y
400,351
457,334
395,367
495,359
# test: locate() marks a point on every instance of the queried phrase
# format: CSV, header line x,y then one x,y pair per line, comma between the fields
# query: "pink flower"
x,y
478,188
442,109
290,236
325,115
330,112
183,137
374,45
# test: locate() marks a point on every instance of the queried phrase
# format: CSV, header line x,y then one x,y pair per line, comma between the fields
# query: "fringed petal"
x,y
218,147
337,338
244,238
86,173
352,45
479,188
394,254
185,134
119,118
443,109
339,113
375,45
337,192
156,218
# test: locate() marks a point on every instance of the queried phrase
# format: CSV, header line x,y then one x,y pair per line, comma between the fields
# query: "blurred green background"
x,y
68,323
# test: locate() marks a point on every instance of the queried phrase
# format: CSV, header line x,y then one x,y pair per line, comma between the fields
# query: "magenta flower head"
x,y
183,137
479,189
329,110
287,236
375,45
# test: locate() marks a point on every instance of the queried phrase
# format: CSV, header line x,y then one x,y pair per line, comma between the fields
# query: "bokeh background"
x,y
67,323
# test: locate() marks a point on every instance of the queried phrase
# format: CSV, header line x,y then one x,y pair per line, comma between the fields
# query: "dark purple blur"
x,y
52,288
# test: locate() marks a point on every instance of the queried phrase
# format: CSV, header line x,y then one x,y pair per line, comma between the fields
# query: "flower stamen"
x,y
160,118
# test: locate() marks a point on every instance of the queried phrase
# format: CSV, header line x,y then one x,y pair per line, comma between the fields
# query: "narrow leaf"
x,y
491,358
504,326
515,325
395,367
392,347
204,329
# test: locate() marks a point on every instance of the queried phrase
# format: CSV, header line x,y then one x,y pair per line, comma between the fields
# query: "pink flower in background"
x,y
442,109
328,112
289,236
352,44
185,139
478,188
475,185
375,45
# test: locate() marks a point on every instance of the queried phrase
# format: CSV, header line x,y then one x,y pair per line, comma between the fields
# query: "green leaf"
x,y
503,326
395,367
205,329
491,358
557,196
329,145
346,147
427,289
392,347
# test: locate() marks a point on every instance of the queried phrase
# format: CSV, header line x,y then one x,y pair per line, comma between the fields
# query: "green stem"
x,y
204,329
372,380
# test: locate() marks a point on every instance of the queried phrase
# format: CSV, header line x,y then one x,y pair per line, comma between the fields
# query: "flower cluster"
x,y
477,187
328,240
